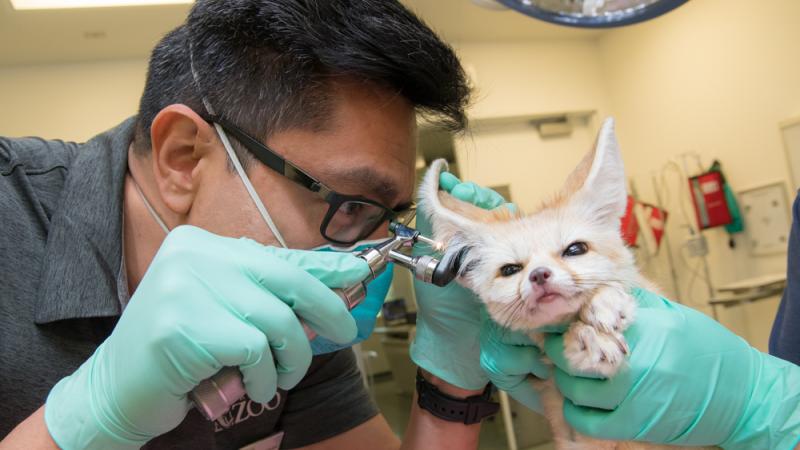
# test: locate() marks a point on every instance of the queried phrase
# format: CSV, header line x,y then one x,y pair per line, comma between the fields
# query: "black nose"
x,y
540,275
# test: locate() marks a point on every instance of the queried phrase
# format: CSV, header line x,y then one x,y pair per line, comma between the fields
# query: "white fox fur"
x,y
589,290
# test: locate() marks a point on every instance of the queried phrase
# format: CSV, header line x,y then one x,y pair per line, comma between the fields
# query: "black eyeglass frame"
x,y
334,199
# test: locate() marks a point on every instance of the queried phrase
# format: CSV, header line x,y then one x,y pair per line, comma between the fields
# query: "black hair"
x,y
266,64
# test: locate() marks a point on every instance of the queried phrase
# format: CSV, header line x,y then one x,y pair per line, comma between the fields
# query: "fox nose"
x,y
540,275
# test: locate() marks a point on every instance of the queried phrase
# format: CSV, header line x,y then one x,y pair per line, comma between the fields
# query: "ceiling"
x,y
47,36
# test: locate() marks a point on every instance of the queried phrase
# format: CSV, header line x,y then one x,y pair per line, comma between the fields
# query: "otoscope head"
x,y
448,268
429,269
426,268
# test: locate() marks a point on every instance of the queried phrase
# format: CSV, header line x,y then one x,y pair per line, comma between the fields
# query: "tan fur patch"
x,y
470,211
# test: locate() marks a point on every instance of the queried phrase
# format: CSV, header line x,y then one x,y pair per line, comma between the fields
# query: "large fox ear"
x,y
598,183
454,222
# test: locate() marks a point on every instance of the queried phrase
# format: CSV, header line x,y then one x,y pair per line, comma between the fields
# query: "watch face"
x,y
593,13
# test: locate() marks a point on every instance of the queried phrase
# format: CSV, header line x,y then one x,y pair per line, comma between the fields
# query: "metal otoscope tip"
x,y
405,231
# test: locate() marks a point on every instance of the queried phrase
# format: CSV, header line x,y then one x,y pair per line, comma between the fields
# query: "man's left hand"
x,y
449,317
510,359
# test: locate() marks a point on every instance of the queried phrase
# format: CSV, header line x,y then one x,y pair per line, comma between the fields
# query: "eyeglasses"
x,y
349,219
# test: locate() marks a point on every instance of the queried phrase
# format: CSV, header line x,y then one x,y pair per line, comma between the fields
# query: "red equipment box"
x,y
709,201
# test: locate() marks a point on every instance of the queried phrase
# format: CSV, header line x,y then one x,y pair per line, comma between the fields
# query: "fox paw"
x,y
610,310
588,349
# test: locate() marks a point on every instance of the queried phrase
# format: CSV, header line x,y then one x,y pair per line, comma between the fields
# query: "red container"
x,y
708,197
630,227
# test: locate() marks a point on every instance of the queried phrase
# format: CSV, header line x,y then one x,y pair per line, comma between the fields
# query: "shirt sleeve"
x,y
330,400
784,341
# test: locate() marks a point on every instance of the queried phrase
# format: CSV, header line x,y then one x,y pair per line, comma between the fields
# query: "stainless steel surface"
x,y
436,246
402,259
214,396
421,266
424,268
374,260
353,295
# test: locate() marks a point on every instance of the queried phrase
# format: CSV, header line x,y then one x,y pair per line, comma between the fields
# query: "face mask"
x,y
367,311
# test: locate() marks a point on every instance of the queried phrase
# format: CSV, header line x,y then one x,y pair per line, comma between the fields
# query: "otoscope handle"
x,y
214,396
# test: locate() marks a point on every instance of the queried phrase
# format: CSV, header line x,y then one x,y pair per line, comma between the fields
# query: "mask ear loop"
x,y
248,185
149,207
235,159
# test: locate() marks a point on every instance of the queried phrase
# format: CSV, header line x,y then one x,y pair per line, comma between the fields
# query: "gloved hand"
x,y
510,358
448,318
689,381
205,302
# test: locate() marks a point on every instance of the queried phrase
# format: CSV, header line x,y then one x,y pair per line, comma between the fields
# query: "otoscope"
x,y
214,396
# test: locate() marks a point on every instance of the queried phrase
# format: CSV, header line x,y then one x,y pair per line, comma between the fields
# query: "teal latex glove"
x,y
510,359
448,318
689,381
205,302
472,193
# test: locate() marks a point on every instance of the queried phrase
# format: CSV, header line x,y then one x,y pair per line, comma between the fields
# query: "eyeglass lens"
x,y
352,220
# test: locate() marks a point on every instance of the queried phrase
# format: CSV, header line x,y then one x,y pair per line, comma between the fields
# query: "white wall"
x,y
77,101
525,78
713,77
69,101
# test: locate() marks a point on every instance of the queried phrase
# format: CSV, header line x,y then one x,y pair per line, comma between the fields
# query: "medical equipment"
x,y
214,396
590,13
710,204
630,224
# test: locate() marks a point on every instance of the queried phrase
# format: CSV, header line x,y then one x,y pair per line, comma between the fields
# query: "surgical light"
x,y
593,13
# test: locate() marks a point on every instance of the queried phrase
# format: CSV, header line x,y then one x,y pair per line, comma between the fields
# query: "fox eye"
x,y
576,249
510,269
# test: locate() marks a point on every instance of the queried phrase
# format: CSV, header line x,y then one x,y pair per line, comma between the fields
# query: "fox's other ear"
x,y
453,219
598,182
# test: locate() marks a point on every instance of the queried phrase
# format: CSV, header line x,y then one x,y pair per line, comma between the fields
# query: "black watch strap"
x,y
468,410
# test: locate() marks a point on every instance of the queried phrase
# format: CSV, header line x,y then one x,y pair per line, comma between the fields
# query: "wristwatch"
x,y
470,410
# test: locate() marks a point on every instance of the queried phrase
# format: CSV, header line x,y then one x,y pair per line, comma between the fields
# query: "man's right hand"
x,y
206,302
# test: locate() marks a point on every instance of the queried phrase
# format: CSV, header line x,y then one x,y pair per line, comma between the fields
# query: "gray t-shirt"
x,y
60,254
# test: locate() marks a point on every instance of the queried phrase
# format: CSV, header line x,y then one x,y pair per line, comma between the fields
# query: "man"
x,y
144,261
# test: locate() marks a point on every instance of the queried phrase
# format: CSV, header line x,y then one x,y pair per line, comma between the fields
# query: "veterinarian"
x,y
689,380
141,262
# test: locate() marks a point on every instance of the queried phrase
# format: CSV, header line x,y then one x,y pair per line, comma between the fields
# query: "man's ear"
x,y
597,185
179,139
